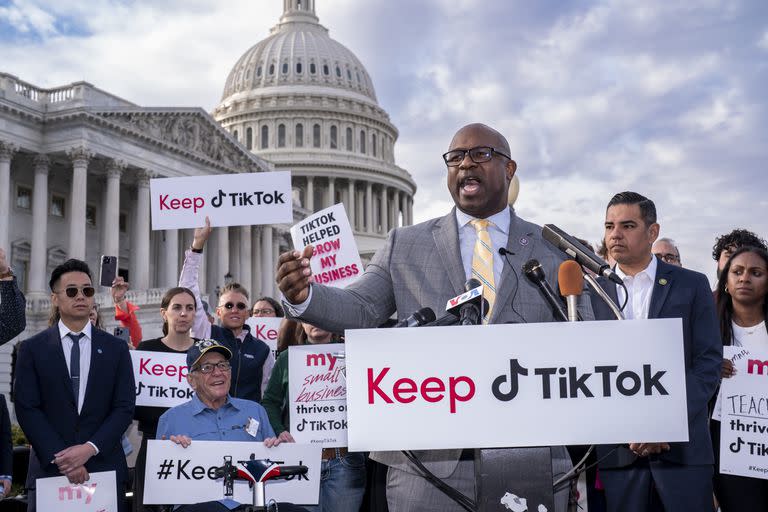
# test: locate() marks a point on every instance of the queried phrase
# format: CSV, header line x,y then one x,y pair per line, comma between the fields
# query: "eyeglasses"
x,y
207,368
668,257
479,155
265,312
71,291
231,305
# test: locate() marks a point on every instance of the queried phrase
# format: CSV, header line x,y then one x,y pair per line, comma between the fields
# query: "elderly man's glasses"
x,y
71,291
207,368
478,155
231,305
668,257
265,311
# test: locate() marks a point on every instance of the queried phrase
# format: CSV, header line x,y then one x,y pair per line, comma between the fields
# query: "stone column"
x,y
360,209
369,207
6,154
396,208
384,211
256,262
171,259
235,264
331,197
140,242
275,291
111,227
246,261
39,250
267,266
310,202
77,198
410,210
222,255
351,203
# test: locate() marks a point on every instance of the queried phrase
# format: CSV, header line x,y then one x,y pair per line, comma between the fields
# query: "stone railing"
x,y
34,93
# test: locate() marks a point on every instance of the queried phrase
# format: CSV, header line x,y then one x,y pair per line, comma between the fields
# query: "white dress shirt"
x,y
499,233
639,288
85,356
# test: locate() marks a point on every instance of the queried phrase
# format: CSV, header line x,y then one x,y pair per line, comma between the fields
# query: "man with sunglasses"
x,y
427,264
74,390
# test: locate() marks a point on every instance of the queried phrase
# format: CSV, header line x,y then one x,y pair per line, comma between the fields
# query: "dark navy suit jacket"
x,y
45,402
680,293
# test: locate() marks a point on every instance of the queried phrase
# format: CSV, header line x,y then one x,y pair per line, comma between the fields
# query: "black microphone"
x,y
535,274
419,318
503,251
470,305
579,252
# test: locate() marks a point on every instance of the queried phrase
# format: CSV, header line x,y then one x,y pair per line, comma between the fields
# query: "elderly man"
x,y
12,303
212,415
427,264
666,250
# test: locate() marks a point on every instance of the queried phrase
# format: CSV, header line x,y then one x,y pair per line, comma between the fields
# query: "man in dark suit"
x,y
13,318
661,476
427,264
74,389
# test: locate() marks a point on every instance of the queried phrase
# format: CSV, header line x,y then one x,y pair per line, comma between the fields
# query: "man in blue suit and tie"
x,y
74,389
653,476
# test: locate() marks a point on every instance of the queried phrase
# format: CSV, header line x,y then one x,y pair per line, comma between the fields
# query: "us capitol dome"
x,y
305,103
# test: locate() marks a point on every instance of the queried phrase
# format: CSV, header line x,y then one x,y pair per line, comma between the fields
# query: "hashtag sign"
x,y
165,469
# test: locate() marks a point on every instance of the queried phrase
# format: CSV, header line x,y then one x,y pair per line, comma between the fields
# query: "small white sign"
x,y
336,261
161,378
265,328
430,388
227,199
98,494
182,476
318,394
744,420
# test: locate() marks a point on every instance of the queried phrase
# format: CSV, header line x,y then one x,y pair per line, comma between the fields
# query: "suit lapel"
x,y
446,236
520,242
56,350
661,286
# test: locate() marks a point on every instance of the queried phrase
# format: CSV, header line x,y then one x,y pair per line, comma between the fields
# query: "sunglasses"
x,y
71,291
232,305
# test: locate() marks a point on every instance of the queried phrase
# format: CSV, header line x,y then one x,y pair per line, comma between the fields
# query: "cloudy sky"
x,y
664,97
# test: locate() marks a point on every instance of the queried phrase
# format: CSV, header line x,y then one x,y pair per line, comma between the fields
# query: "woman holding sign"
x,y
342,477
178,311
742,292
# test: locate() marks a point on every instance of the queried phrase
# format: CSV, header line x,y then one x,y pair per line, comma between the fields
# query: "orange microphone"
x,y
570,279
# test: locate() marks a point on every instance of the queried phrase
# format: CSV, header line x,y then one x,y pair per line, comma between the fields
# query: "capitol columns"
x,y
396,207
111,229
39,250
140,239
256,276
309,203
6,154
331,197
246,261
369,226
351,202
384,220
80,155
267,263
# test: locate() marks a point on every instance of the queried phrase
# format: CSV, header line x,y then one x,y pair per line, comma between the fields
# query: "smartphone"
x,y
108,271
123,334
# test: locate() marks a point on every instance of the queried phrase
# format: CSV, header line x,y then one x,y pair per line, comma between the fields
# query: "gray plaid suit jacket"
x,y
421,266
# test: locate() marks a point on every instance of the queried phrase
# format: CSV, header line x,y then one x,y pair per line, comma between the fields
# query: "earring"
x,y
726,288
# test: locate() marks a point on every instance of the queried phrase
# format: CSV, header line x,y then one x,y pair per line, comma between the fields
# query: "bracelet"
x,y
198,251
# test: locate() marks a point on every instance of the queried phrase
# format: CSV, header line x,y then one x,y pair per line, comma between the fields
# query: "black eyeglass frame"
x,y
224,366
241,306
465,152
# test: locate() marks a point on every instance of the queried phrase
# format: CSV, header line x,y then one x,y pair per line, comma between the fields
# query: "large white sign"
x,y
335,261
182,476
161,378
227,199
514,385
98,494
318,394
744,420
265,328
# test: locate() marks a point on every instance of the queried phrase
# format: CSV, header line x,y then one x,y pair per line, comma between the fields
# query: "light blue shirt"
x,y
499,233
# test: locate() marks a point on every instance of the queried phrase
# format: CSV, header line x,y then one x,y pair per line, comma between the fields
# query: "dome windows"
x,y
326,70
349,75
264,137
312,68
350,140
316,136
281,135
362,141
338,71
271,69
299,68
258,71
249,138
234,134
334,137
373,144
299,135
285,68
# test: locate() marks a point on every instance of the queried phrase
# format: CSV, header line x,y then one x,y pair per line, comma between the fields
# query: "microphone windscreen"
x,y
570,278
425,316
471,284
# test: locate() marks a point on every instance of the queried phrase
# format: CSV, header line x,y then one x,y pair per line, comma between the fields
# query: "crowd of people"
x,y
74,392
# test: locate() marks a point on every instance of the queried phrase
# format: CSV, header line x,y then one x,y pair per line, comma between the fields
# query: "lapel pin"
x,y
523,241
663,281
98,350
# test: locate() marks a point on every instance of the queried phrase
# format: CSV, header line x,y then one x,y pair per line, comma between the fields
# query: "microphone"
x,y
577,251
535,274
419,318
570,279
503,252
470,305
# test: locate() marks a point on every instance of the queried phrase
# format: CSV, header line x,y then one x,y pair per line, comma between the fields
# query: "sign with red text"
x,y
318,394
227,199
98,494
161,378
182,476
335,261
744,415
265,328
515,385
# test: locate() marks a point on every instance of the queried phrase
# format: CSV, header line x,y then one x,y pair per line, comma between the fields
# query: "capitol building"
x,y
75,165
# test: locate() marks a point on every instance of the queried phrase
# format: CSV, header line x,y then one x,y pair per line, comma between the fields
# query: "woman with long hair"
x,y
178,308
742,307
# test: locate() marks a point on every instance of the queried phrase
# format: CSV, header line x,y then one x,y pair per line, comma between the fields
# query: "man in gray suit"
x,y
425,265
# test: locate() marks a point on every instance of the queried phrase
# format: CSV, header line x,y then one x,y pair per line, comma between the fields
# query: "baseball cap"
x,y
202,347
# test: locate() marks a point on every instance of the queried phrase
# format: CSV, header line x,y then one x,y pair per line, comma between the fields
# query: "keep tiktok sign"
x,y
227,199
434,387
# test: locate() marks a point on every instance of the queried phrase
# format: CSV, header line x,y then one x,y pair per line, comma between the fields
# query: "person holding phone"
x,y
125,312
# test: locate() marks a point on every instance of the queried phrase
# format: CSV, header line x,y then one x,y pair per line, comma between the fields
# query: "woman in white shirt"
x,y
742,306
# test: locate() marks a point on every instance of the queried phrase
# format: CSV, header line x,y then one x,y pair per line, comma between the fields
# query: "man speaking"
x,y
427,264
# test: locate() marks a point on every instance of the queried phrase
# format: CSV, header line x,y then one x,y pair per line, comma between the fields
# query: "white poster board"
x,y
744,418
517,384
182,476
265,328
336,261
227,199
98,494
161,378
318,394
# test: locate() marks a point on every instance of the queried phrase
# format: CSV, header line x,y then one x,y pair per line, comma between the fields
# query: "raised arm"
x,y
189,278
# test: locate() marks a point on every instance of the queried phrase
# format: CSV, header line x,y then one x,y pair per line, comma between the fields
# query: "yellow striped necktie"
x,y
482,263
